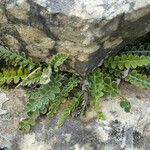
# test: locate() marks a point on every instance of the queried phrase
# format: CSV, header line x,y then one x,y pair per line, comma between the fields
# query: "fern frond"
x,y
96,82
68,87
12,75
32,78
143,49
138,79
111,87
127,61
25,124
46,74
41,97
38,100
139,49
16,59
37,75
58,60
67,111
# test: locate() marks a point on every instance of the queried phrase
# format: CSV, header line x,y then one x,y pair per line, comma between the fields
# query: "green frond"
x,y
127,61
25,124
54,87
111,87
67,88
32,78
67,111
138,79
16,59
58,60
12,75
38,101
54,106
46,75
139,49
72,82
41,97
96,84
115,73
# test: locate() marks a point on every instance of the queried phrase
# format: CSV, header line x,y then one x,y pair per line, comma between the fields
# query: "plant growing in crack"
x,y
53,86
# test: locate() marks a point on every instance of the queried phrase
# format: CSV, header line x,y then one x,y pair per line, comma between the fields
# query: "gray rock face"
x,y
89,30
120,130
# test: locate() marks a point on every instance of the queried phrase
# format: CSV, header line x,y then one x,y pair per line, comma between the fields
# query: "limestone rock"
x,y
89,30
120,130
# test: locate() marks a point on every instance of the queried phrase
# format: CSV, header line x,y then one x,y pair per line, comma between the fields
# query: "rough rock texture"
x,y
120,130
88,30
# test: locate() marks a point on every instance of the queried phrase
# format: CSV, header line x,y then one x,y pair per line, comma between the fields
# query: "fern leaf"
x,y
138,79
38,101
68,87
140,49
111,87
143,49
38,76
25,124
16,59
67,111
96,82
32,78
127,61
46,74
125,104
12,75
41,97
58,60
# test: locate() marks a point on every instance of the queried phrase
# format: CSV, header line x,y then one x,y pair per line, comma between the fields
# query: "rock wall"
x,y
89,30
120,130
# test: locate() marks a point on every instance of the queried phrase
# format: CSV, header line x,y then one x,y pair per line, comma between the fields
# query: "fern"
x,y
32,78
54,63
54,87
58,60
67,88
12,75
25,124
111,87
39,99
138,79
46,75
67,111
43,76
125,104
16,59
127,61
96,82
143,49
42,96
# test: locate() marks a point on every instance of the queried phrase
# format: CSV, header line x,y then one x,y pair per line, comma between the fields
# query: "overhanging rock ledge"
x,y
89,30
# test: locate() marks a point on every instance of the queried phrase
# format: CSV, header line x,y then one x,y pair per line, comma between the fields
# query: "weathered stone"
x,y
3,99
120,130
89,30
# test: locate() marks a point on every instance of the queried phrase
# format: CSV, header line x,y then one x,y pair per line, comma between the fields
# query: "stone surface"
x,y
88,30
120,130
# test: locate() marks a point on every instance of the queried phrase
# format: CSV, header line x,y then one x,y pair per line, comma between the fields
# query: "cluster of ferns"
x,y
47,87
